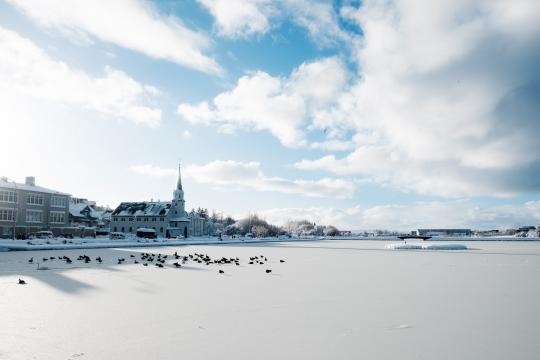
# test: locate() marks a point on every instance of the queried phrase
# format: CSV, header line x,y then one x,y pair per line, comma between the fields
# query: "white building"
x,y
168,219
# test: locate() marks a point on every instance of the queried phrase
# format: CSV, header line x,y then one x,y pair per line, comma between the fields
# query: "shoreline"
x,y
91,243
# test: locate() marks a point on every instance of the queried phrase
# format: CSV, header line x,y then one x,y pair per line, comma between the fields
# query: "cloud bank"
x,y
279,105
132,24
448,214
249,175
27,72
442,99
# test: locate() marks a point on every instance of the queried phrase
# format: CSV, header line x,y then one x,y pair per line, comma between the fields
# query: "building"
x,y
83,212
444,232
200,226
168,219
28,208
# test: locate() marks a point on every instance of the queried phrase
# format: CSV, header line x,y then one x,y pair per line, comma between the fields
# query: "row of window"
x,y
138,218
32,198
130,229
8,196
34,216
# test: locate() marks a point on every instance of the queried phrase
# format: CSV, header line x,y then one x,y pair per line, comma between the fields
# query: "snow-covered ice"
x,y
328,300
425,246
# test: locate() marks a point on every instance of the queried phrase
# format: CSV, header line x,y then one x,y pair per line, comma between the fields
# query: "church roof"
x,y
145,208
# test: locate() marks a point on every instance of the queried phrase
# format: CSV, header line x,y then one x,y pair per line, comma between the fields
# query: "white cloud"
x,y
320,20
279,105
244,18
152,170
131,24
26,71
240,18
249,175
186,135
437,105
451,214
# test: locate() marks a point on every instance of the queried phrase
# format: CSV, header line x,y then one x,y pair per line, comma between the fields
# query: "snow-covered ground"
x,y
328,300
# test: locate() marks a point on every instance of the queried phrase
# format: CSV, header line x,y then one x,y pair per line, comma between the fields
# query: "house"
x,y
83,212
26,208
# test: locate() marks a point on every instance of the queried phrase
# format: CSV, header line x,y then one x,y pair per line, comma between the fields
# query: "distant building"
x,y
444,232
526,228
168,219
28,208
493,232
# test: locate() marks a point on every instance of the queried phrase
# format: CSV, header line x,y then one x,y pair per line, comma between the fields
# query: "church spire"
x,y
179,184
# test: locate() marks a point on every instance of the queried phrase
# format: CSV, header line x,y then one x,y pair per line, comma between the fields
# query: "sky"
x,y
393,114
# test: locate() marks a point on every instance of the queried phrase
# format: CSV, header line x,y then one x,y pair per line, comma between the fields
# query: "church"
x,y
167,218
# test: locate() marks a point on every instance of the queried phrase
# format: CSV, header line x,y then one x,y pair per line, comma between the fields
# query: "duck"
x,y
22,282
31,260
268,271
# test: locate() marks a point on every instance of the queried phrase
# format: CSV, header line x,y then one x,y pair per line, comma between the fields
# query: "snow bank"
x,y
425,246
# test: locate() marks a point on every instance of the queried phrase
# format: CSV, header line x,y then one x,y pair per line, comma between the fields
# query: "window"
x,y
57,217
153,219
160,229
122,229
34,199
8,196
130,229
115,229
58,201
123,219
34,216
162,219
7,215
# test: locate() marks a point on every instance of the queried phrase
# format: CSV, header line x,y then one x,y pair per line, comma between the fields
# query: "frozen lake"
x,y
329,300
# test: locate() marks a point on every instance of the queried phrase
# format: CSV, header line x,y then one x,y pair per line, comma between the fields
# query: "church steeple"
x,y
178,202
179,183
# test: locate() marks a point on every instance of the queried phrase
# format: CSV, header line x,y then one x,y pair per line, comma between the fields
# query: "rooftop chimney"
x,y
30,180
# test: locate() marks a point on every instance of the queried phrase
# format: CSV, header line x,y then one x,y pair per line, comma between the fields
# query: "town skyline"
x,y
332,112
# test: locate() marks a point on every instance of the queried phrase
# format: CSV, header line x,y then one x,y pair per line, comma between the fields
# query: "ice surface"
x,y
329,300
425,246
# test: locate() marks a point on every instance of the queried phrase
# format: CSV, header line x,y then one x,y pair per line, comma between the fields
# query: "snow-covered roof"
x,y
145,208
75,209
20,186
78,209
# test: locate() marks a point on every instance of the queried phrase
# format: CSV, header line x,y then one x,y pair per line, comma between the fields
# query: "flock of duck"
x,y
159,260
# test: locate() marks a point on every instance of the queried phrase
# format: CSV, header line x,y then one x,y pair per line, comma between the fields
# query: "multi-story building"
x,y
444,232
28,208
167,218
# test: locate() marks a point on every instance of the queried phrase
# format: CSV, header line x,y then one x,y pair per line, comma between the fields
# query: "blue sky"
x,y
379,114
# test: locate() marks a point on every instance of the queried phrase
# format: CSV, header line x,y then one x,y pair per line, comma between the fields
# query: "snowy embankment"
x,y
105,242
425,246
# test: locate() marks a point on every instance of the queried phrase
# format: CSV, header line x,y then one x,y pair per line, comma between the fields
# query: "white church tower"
x,y
178,203
178,220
